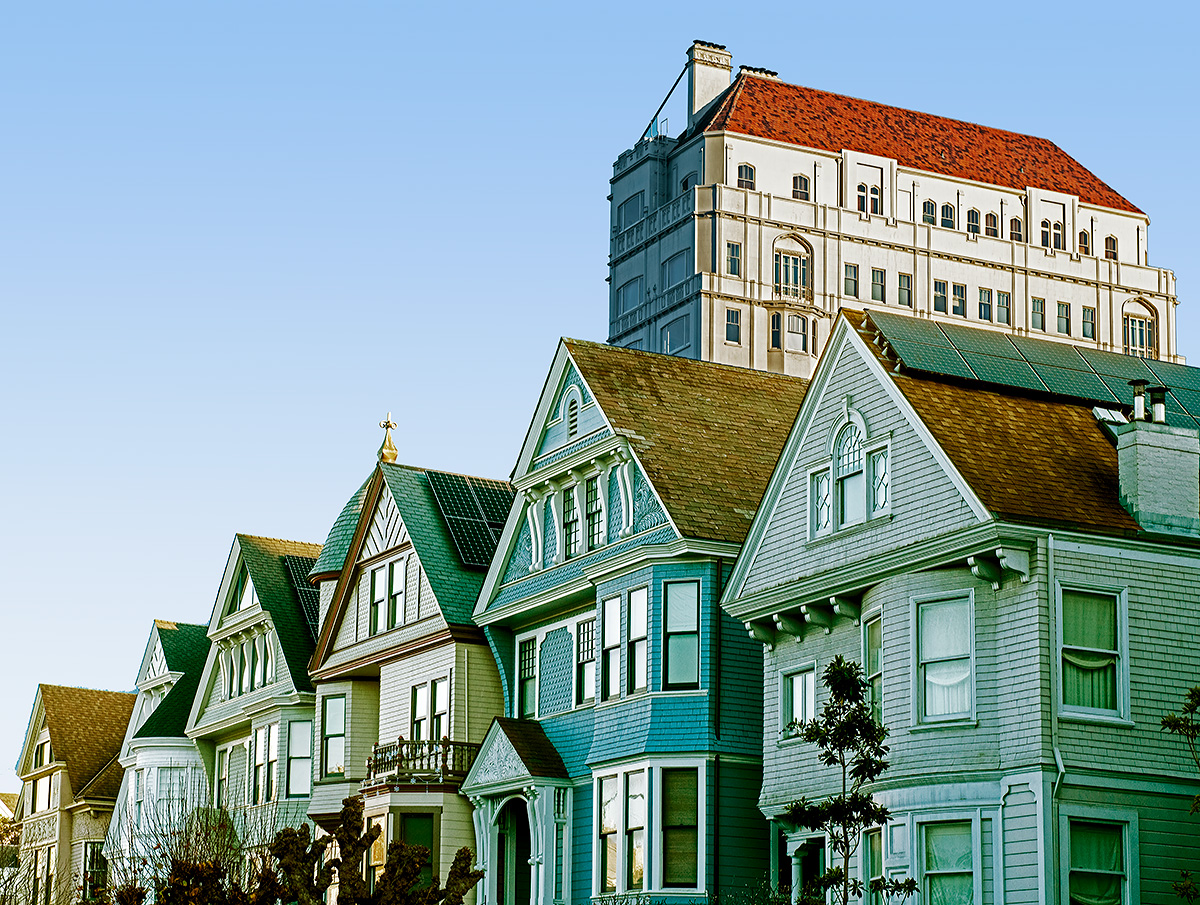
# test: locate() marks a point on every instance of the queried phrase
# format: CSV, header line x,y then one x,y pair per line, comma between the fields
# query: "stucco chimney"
x,y
1159,469
709,66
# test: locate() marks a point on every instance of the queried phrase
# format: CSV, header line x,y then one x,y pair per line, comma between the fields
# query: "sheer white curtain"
x,y
949,879
944,629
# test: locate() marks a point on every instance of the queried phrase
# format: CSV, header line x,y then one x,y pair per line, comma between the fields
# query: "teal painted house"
x,y
631,750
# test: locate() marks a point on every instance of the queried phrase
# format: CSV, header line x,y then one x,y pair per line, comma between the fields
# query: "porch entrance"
x,y
513,870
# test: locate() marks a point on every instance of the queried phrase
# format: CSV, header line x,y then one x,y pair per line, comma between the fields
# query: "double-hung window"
x,y
872,853
1003,307
973,222
419,714
680,827
733,325
873,665
849,479
638,652
635,830
944,648
396,580
266,759
776,330
733,258
585,662
593,513
878,285
439,704
379,596
681,641
854,487
948,216
1064,318
985,304
526,677
1110,247
960,299
799,700
1085,242
852,280
797,327
991,226
299,759
333,736
95,872
609,817
1097,863
929,213
939,296
1089,323
571,534
904,291
1015,231
948,876
610,665
1093,642
1038,315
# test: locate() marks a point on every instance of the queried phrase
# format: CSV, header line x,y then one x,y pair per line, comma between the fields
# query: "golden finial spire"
x,y
387,452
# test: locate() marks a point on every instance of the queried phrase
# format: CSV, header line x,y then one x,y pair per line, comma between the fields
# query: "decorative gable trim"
x,y
386,530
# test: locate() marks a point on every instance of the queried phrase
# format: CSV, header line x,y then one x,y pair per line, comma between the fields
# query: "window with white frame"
x,y
638,649
798,699
849,481
299,759
585,662
593,513
904,290
948,864
608,827
973,221
991,226
733,325
242,597
959,294
862,197
266,761
733,258
800,187
680,827
570,517
872,866
681,636
220,779
1110,247
873,665
397,576
855,486
878,285
851,281
1092,652
745,176
797,327
635,830
1003,307
776,339
526,677
379,595
610,664
791,274
948,216
333,736
1015,230
1089,323
944,654
929,213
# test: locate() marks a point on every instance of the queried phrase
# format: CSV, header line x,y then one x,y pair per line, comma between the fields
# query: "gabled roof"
x,y
707,435
265,561
8,803
87,728
337,545
185,648
766,108
534,747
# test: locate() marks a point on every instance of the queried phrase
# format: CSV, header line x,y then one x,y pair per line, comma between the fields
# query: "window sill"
x,y
786,741
880,519
967,723
1103,719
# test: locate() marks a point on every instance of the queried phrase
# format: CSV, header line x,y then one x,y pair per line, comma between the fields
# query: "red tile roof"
x,y
832,122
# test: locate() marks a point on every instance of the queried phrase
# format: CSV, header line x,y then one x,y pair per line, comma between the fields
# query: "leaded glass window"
x,y
849,482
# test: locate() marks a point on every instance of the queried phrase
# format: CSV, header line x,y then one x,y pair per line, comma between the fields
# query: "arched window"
x,y
929,212
800,188
793,269
1059,238
973,221
688,181
862,197
876,200
797,325
776,330
1139,330
849,481
1110,247
948,216
745,176
1085,242
991,226
1014,230
1045,234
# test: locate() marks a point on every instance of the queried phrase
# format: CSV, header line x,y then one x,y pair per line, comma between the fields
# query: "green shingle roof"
x,y
264,559
337,545
185,648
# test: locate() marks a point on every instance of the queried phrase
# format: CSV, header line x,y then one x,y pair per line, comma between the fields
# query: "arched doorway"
x,y
513,871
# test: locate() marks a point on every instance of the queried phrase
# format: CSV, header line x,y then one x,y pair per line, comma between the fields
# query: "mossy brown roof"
x,y
707,435
771,109
87,728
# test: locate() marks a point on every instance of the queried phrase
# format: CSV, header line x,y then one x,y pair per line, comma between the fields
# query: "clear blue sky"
x,y
234,235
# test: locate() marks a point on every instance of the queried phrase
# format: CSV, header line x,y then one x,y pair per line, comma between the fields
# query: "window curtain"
x,y
1097,864
948,864
945,647
1089,675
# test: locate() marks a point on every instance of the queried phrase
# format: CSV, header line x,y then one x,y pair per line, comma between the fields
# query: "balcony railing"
x,y
420,761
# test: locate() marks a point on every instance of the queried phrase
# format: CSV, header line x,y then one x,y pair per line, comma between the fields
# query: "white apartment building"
x,y
739,240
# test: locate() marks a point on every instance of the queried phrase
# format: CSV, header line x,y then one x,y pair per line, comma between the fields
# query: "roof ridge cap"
x,y
281,540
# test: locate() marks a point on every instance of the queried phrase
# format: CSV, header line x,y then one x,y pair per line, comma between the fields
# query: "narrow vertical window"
x,y
776,330
862,197
960,299
333,731
299,759
572,417
1045,234
852,280
991,226
635,830
820,517
1038,315
440,706
378,598
733,258
878,285
527,678
610,666
396,579
680,824
1097,872
873,658
929,213
609,818
948,216
260,766
595,520
420,713
944,658
873,865
638,671
1003,307
745,176
904,290
220,780
682,635
1064,318
1015,232
95,872
876,200
733,325
585,662
985,304
1059,237
800,188
849,484
1085,242
973,222
949,875
1110,248
939,296
880,481
570,523
1090,652
1089,323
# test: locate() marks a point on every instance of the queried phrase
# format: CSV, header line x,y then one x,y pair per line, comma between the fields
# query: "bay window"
x,y
266,759
799,700
299,759
610,666
609,815
948,876
635,830
681,642
945,646
526,677
439,693
680,826
873,665
638,667
333,736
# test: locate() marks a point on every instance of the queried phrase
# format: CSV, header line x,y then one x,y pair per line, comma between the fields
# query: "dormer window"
x,y
42,755
853,486
745,176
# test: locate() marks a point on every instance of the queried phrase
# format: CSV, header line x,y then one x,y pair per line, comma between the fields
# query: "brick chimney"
x,y
709,68
1159,468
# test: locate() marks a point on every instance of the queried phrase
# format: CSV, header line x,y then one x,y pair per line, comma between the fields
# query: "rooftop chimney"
x,y
1159,469
709,66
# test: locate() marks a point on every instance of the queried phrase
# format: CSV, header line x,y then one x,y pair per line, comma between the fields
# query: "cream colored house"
x,y
406,685
70,776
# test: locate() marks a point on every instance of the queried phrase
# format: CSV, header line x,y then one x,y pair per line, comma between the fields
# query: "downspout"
x,y
1052,596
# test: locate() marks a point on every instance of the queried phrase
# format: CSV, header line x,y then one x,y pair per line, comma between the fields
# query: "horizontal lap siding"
x,y
581,844
1021,861
396,681
477,695
924,502
457,830
743,843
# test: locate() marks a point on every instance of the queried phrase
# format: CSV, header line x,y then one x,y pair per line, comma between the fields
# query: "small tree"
x,y
1186,725
853,743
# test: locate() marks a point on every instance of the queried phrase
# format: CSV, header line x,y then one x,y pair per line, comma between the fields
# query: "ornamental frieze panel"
x,y
36,832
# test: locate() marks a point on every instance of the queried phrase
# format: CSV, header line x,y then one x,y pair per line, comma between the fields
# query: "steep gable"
x,y
87,727
774,110
185,649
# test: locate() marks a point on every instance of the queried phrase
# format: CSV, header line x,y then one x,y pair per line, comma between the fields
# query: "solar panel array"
x,y
475,510
1036,364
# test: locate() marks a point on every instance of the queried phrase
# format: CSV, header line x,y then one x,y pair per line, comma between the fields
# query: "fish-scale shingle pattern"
x,y
707,435
834,122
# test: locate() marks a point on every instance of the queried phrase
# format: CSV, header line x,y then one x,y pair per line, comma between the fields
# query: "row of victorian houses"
x,y
591,673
